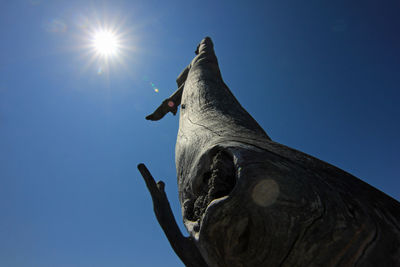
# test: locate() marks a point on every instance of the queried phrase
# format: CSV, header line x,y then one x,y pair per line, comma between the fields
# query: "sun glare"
x,y
105,43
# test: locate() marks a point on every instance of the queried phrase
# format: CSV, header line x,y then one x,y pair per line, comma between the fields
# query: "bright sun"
x,y
105,43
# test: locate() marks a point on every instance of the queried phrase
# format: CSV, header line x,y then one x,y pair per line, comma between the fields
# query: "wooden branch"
x,y
183,246
172,103
168,105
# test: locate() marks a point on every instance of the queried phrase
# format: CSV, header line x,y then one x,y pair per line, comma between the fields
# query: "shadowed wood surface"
x,y
184,247
249,201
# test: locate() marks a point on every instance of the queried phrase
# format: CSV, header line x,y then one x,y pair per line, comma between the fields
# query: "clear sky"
x,y
319,76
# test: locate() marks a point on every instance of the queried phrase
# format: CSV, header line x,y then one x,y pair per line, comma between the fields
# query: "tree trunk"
x,y
249,201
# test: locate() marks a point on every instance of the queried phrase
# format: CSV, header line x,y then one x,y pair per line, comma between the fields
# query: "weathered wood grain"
x,y
249,201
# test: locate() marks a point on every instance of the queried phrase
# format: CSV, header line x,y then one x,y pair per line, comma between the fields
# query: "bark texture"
x,y
249,201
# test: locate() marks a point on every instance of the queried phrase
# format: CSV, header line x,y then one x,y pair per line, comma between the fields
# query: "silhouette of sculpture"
x,y
249,201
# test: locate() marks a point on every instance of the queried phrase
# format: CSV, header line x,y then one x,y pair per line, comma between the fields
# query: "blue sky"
x,y
318,76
